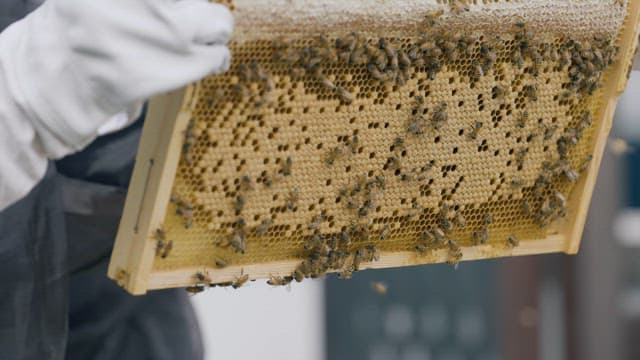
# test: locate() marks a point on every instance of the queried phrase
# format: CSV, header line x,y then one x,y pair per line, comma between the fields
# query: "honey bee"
x,y
333,155
460,220
475,130
560,199
481,237
316,222
202,278
221,264
327,83
245,183
298,275
522,119
286,167
477,70
195,289
526,208
570,174
531,92
403,59
385,233
455,253
498,92
585,164
517,182
520,156
379,288
240,281
439,235
238,241
353,144
186,212
345,95
264,227
431,19
550,131
440,115
292,199
279,281
513,241
239,203
458,6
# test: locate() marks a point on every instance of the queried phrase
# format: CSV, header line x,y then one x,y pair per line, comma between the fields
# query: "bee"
x,y
264,227
498,92
286,167
202,278
421,248
358,257
570,174
353,144
298,275
455,253
279,281
399,144
526,208
477,70
475,130
165,249
240,91
195,289
550,131
427,236
244,73
161,237
379,288
513,241
221,264
522,119
239,203
560,199
403,59
346,274
385,233
531,92
240,281
460,220
327,83
394,163
440,115
520,156
585,164
488,219
245,183
292,199
415,126
186,212
345,95
481,237
334,154
517,59
316,222
431,19
458,6
238,241
440,236
517,183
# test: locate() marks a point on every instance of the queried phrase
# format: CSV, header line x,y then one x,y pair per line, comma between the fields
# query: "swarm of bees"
x,y
392,63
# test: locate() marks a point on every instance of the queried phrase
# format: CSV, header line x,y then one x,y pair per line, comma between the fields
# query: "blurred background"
x,y
551,307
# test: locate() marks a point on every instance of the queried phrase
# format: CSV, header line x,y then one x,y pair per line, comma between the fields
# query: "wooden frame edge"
x,y
614,88
177,278
150,190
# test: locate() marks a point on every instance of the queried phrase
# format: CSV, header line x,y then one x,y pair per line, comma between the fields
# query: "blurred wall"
x,y
260,322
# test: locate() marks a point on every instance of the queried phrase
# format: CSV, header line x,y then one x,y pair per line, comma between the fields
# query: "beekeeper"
x,y
74,75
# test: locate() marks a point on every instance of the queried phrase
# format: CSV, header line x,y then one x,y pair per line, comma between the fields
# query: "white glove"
x,y
71,65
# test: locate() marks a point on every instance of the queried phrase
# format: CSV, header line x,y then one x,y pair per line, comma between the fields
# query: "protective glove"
x,y
71,65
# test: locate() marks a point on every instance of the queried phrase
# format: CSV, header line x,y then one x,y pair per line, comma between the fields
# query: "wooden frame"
x,y
159,155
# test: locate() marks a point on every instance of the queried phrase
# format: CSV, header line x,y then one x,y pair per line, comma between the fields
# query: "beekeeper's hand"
x,y
71,65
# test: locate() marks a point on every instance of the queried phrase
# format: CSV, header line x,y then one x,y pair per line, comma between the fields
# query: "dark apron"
x,y
55,299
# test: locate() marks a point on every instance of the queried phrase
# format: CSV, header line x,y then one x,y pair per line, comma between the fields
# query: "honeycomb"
x,y
344,133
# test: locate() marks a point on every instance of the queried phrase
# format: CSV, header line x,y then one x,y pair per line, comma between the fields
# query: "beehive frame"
x,y
136,263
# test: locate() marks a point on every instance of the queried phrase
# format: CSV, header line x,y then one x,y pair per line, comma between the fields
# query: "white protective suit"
x,y
72,65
